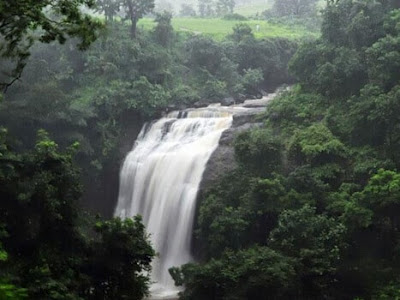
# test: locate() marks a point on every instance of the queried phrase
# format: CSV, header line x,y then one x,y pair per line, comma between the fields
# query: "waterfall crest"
x,y
160,179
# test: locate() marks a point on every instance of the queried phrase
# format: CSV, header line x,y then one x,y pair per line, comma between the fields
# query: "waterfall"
x,y
160,179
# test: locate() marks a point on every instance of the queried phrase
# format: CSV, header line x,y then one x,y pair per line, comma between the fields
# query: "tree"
x,y
259,151
121,260
135,10
109,8
8,291
39,191
164,6
382,196
206,8
21,19
164,31
384,56
46,248
316,241
242,32
297,8
225,7
254,273
187,11
252,79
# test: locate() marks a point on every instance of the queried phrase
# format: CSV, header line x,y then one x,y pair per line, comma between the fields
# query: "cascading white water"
x,y
160,179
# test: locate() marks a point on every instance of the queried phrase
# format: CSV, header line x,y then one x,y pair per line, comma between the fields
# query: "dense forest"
x,y
310,212
313,210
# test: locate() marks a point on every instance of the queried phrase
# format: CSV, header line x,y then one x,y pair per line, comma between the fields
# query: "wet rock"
x,y
174,107
240,98
202,103
227,101
223,161
258,103
244,118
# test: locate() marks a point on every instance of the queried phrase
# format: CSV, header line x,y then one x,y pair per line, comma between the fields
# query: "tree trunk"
x,y
133,27
134,19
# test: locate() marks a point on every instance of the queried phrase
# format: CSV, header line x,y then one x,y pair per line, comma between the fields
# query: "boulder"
x,y
240,98
202,103
227,101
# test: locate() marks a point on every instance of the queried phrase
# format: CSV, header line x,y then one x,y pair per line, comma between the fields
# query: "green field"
x,y
219,29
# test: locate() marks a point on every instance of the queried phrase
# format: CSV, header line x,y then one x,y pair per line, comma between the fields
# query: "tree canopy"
x,y
22,22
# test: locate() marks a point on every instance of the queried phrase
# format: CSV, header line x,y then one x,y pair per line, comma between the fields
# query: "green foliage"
x,y
109,8
318,183
164,31
245,274
351,23
135,10
234,16
315,145
351,31
206,8
315,63
252,80
10,292
300,8
23,22
224,7
241,32
219,28
388,291
45,249
383,55
121,260
259,151
381,195
295,110
314,240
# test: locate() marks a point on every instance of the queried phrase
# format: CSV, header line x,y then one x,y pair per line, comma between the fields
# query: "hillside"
x,y
219,28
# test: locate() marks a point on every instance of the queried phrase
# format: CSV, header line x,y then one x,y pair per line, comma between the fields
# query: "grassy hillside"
x,y
218,28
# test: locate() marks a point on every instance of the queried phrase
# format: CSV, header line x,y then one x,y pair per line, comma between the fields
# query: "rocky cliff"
x,y
223,159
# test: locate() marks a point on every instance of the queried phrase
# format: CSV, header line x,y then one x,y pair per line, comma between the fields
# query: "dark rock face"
x,y
227,101
240,98
202,103
223,161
